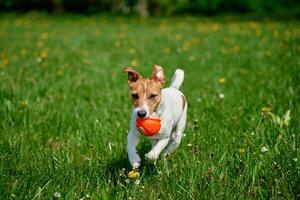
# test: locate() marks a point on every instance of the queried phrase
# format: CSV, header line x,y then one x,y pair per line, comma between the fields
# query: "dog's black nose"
x,y
141,113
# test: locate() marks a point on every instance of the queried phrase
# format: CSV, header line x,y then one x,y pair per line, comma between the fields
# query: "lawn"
x,y
65,107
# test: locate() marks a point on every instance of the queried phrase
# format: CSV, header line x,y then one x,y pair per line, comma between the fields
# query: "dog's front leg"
x,y
155,151
132,141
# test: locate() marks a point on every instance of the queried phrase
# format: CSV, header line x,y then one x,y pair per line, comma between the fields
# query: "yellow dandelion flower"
x,y
85,61
226,40
134,63
23,51
254,25
117,44
5,61
59,73
195,41
178,36
242,71
97,32
44,54
132,51
268,53
285,123
45,35
288,33
223,50
215,27
282,45
258,32
40,44
202,29
166,50
275,34
266,109
222,80
242,150
85,52
236,48
24,102
186,45
133,174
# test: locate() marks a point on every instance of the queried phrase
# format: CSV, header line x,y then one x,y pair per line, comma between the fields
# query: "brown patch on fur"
x,y
184,102
146,90
153,94
133,75
158,74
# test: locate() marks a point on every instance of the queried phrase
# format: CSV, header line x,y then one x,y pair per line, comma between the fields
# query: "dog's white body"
x,y
172,111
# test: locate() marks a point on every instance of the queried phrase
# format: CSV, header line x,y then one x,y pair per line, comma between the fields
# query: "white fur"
x,y
143,107
173,120
177,79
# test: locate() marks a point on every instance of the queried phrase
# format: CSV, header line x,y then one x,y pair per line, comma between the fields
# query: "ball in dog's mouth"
x,y
149,126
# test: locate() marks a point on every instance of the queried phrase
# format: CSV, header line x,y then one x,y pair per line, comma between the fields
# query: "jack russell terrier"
x,y
169,104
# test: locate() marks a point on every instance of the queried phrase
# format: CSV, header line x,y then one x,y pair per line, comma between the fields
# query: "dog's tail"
x,y
177,79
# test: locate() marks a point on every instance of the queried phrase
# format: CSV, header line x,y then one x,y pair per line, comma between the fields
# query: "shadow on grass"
x,y
116,169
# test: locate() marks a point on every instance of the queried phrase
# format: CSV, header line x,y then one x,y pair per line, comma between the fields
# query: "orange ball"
x,y
148,126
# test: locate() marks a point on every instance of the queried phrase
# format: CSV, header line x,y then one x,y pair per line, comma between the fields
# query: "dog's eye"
x,y
152,96
135,96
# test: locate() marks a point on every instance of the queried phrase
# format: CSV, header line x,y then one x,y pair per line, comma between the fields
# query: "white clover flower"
x,y
137,182
127,181
264,149
57,195
39,60
221,96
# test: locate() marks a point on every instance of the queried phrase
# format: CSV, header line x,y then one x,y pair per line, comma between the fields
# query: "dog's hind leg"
x,y
176,135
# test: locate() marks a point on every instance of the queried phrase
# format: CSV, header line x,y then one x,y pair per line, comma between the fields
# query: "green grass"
x,y
65,108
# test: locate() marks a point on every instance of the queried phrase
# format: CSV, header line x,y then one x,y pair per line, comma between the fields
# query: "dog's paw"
x,y
150,156
134,159
136,165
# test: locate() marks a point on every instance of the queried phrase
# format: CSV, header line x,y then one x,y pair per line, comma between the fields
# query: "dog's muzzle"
x,y
141,113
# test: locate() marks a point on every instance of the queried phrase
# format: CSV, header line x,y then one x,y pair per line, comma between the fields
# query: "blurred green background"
x,y
65,104
156,7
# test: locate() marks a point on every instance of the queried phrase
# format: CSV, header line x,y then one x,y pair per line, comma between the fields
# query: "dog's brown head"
x,y
145,92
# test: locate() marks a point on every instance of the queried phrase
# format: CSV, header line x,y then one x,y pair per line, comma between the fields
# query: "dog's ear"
x,y
158,74
133,75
